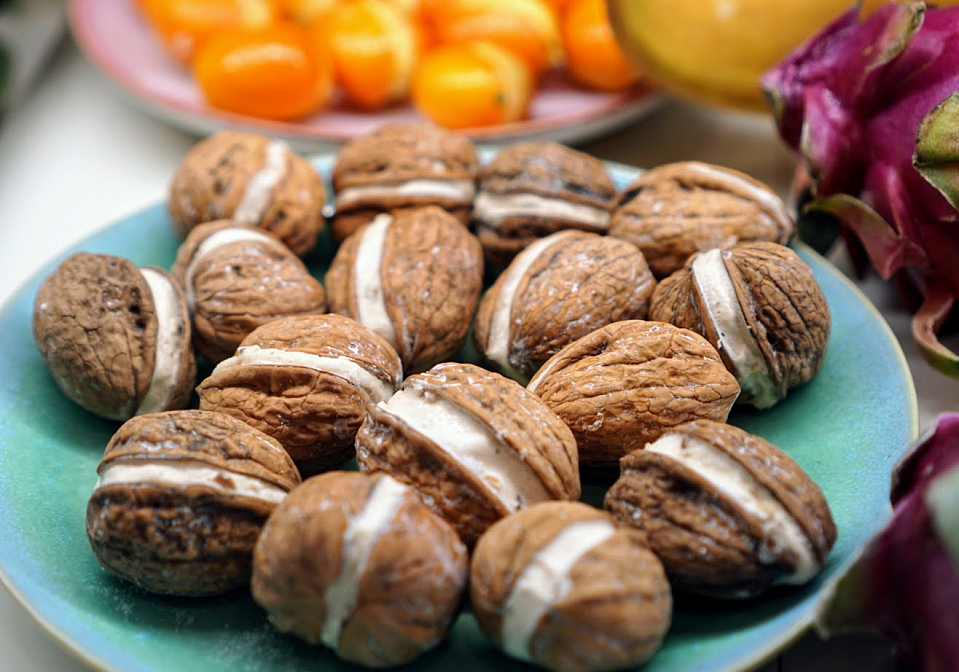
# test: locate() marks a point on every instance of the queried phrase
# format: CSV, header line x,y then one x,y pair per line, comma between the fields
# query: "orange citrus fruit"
x,y
375,46
184,25
271,73
472,84
594,58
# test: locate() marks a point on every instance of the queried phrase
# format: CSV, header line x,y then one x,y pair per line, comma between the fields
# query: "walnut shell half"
x,y
415,279
671,212
116,338
358,563
474,444
559,585
250,179
236,278
181,498
760,306
728,513
559,289
306,381
626,384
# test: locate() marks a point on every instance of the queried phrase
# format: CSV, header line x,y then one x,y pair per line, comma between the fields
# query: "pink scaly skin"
x,y
905,585
851,101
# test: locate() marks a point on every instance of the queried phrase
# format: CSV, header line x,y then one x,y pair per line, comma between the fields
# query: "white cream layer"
x,y
764,196
733,334
471,444
501,322
368,279
363,531
214,241
373,388
168,353
256,196
453,190
545,581
181,473
780,530
490,208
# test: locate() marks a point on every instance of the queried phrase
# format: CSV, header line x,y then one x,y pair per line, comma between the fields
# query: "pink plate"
x,y
117,38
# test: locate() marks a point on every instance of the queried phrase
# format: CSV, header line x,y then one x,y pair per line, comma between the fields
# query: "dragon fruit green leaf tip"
x,y
871,104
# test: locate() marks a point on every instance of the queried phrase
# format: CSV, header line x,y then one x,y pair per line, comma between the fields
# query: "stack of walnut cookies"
x,y
617,329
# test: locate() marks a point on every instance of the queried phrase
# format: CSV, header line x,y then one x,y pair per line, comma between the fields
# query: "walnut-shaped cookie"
x,y
671,212
413,278
556,290
728,513
181,498
760,305
474,444
532,189
236,278
561,586
306,381
358,563
116,338
251,179
626,384
403,164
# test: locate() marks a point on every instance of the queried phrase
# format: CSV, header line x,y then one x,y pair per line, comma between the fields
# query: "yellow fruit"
x,y
715,51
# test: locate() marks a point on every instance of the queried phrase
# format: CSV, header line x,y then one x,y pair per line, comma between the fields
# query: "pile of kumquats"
x,y
462,63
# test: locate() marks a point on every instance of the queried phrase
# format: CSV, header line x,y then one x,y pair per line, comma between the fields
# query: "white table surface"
x,y
75,156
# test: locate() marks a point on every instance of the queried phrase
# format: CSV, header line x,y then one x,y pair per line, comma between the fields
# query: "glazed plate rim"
x,y
47,616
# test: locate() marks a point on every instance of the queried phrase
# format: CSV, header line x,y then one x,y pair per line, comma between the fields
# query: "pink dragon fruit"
x,y
872,106
905,584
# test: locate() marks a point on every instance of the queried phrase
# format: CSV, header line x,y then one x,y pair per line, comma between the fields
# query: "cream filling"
x,y
733,335
545,581
373,387
182,473
501,322
167,358
368,280
458,190
256,195
780,530
214,241
471,444
363,531
490,208
764,196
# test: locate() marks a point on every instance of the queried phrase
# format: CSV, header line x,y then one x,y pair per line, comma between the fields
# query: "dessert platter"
x,y
118,40
832,441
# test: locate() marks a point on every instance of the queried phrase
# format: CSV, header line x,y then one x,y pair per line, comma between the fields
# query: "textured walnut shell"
x,y
99,330
625,384
169,528
671,212
397,154
251,179
430,274
710,541
238,286
407,592
557,290
312,405
544,169
784,308
534,442
608,610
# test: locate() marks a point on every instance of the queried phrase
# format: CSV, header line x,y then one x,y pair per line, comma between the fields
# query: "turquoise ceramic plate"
x,y
846,428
